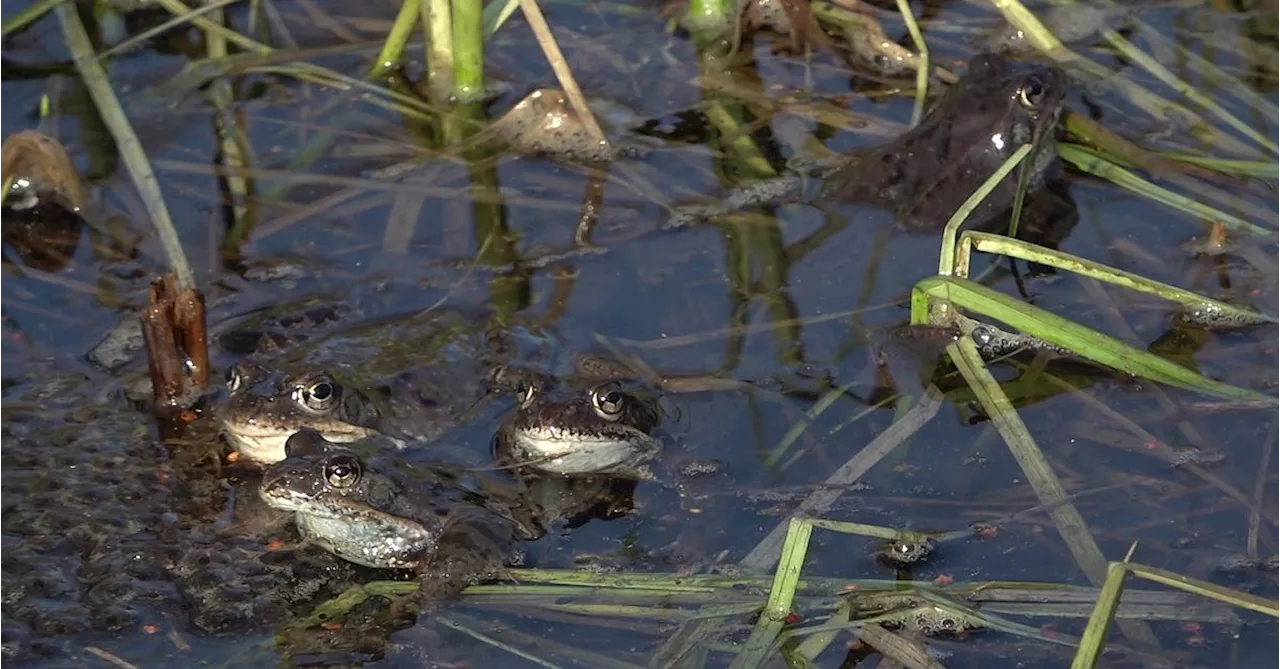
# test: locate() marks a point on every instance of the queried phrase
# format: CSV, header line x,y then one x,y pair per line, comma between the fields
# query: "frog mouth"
x,y
567,451
265,443
284,499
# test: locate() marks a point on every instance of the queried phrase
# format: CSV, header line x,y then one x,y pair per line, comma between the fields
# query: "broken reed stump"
x,y
173,327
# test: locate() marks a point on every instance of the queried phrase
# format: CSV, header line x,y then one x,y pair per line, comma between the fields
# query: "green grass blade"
x,y
1104,612
1072,336
1040,476
946,257
1016,248
1205,589
774,617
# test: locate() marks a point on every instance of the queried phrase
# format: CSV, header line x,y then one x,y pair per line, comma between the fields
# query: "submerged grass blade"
x,y
1092,163
801,425
1039,474
1029,457
459,626
1072,336
1142,58
1016,248
131,152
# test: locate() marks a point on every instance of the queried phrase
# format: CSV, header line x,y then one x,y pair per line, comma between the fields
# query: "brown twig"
x,y
175,316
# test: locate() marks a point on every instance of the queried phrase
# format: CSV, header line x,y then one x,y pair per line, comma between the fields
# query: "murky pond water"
x,y
132,540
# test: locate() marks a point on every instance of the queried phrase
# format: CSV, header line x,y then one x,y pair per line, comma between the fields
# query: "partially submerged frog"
x,y
373,513
923,176
593,425
408,408
406,379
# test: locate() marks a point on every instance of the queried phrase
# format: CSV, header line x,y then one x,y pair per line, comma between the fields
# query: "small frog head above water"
x,y
353,512
926,174
593,426
369,512
259,424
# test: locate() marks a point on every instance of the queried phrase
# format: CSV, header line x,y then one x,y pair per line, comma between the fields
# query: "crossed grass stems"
x,y
707,606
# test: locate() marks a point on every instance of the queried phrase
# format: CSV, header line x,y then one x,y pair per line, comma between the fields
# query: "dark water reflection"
x,y
156,553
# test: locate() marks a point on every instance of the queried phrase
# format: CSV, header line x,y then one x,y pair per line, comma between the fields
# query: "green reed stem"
x,y
468,49
438,15
393,47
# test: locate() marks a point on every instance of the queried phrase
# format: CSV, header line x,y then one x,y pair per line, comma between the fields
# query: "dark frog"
x,y
923,176
378,514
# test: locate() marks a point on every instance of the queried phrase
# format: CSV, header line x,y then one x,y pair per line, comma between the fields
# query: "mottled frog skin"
x,y
923,176
926,174
382,514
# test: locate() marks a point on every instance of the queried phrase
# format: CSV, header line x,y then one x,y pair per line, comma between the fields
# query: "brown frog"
x,y
377,512
923,176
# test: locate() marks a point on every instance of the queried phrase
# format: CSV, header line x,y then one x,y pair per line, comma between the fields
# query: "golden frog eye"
x,y
608,402
1032,93
316,394
342,471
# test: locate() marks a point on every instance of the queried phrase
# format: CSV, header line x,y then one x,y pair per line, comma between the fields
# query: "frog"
x,y
924,175
404,380
595,423
381,512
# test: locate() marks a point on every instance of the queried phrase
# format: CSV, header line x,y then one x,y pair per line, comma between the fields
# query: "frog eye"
x,y
317,395
342,471
527,392
1032,93
608,402
233,379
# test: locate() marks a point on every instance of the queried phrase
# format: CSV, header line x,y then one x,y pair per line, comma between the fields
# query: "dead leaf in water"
x,y
544,122
44,165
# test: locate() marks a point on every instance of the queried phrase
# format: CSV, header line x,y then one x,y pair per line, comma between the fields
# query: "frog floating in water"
x,y
591,425
923,176
374,513
408,379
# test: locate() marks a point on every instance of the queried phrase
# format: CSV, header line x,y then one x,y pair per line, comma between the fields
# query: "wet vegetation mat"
x,y
599,334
